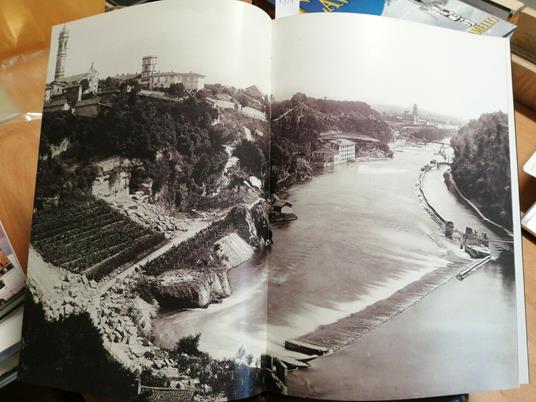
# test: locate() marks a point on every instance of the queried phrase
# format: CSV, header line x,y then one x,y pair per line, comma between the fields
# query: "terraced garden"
x,y
90,237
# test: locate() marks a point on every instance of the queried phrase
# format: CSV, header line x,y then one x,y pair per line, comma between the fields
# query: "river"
x,y
361,236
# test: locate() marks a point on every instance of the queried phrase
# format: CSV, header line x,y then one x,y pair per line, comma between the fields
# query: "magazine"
x,y
452,14
225,208
12,279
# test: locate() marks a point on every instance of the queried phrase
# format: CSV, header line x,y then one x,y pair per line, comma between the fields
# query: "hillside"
x,y
298,122
181,148
481,165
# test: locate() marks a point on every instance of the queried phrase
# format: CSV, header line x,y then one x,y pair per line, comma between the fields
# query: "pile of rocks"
x,y
70,296
186,288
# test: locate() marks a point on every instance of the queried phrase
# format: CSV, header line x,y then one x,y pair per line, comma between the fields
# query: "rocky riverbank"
x,y
120,309
190,288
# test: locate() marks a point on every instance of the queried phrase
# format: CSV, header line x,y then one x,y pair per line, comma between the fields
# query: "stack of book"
x,y
12,286
524,57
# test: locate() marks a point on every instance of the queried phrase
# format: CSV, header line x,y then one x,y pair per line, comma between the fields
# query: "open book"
x,y
321,206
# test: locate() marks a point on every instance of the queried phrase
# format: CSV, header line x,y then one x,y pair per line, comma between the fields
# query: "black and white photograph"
x,y
399,270
219,215
150,189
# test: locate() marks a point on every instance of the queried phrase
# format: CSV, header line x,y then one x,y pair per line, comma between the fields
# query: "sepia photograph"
x,y
150,189
219,215
397,279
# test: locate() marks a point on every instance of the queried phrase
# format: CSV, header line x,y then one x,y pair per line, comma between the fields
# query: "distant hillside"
x,y
335,115
298,122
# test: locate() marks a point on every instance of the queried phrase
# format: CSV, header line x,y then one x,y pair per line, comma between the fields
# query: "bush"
x,y
189,345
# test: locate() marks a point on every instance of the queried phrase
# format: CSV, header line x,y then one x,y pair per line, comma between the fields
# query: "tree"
x,y
189,345
177,90
243,100
251,157
481,165
297,98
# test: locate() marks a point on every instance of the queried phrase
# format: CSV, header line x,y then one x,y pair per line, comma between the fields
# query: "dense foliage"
x,y
235,378
197,251
481,165
69,354
176,142
430,134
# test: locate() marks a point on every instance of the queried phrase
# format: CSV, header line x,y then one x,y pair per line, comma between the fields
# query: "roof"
x,y
282,203
329,133
59,102
325,149
342,141
71,85
79,77
125,76
194,74
363,137
87,102
165,73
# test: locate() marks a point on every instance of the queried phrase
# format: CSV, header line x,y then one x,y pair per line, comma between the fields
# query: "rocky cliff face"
x,y
189,288
232,250
194,272
113,177
252,224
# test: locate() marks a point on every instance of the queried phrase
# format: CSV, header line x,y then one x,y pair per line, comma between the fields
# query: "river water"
x,y
361,235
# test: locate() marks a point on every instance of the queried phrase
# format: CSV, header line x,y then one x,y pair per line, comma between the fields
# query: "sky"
x,y
227,41
379,60
387,61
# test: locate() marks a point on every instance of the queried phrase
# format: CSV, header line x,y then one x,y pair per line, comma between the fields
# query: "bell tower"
x,y
63,39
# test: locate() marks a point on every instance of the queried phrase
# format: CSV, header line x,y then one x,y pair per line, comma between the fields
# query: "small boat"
x,y
477,251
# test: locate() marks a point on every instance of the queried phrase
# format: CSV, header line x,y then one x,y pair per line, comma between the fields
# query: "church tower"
x,y
62,54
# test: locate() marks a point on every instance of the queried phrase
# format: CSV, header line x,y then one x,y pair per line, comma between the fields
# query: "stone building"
x,y
344,150
159,79
65,91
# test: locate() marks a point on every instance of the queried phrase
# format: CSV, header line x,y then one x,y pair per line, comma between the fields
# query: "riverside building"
x,y
344,150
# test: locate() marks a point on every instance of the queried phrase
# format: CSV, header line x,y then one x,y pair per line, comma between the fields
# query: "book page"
x,y
150,209
400,274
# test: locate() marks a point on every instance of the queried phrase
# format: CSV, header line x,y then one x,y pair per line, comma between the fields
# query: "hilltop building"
x,y
76,92
157,79
73,85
